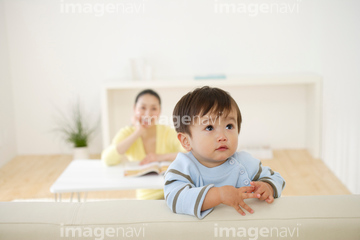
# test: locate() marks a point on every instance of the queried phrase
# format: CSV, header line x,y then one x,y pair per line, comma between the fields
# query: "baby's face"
x,y
214,138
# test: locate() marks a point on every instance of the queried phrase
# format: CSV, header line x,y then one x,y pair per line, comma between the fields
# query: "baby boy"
x,y
208,122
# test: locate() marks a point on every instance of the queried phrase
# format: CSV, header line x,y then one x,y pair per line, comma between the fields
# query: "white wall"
x,y
340,58
56,57
7,119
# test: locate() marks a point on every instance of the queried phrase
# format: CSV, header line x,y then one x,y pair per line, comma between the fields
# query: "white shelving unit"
x,y
279,111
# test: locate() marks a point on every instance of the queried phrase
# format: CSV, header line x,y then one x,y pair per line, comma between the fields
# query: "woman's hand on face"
x,y
139,126
151,157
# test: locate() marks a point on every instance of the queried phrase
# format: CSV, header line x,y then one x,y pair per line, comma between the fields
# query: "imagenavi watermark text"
x,y
253,9
100,233
184,120
254,233
101,8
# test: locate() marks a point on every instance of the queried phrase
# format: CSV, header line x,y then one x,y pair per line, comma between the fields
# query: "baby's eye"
x,y
209,128
229,126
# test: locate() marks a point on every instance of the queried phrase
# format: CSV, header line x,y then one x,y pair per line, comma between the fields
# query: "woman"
x,y
145,140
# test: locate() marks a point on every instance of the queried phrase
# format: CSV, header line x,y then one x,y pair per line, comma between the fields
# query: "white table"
x,y
93,175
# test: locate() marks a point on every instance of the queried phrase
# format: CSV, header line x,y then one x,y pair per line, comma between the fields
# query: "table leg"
x,y
71,196
55,197
59,197
85,196
78,196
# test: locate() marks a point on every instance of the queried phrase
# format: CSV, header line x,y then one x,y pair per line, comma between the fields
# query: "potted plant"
x,y
76,131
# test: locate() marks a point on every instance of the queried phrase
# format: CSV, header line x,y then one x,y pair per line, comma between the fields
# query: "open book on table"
x,y
134,169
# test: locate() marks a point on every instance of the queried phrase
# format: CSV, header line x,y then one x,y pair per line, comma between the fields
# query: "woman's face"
x,y
147,109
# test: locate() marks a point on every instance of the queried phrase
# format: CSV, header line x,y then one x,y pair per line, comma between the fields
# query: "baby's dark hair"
x,y
200,102
148,91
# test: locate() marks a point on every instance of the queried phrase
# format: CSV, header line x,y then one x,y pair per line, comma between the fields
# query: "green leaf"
x,y
75,129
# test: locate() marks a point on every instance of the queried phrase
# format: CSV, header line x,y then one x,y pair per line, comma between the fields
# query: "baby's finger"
x,y
259,190
239,210
250,195
245,206
270,199
255,184
264,196
246,189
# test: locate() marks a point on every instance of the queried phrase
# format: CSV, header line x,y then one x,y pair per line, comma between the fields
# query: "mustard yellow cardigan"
x,y
166,142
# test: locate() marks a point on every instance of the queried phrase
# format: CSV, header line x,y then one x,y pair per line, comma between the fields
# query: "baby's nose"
x,y
222,137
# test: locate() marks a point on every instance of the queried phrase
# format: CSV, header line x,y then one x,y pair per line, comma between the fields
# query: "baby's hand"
x,y
234,197
265,190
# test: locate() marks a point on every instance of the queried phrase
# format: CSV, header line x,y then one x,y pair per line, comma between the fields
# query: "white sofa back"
x,y
310,217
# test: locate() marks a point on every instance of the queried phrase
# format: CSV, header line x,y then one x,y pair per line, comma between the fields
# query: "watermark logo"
x,y
254,9
253,233
199,120
99,9
100,233
183,120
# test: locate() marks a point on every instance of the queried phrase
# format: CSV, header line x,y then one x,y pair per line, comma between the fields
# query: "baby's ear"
x,y
185,141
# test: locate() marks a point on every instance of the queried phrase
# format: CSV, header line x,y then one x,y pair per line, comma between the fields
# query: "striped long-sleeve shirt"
x,y
187,181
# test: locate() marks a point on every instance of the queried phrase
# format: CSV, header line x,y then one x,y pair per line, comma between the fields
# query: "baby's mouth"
x,y
222,148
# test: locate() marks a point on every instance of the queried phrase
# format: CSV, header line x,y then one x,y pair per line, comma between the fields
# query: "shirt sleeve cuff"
x,y
199,202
